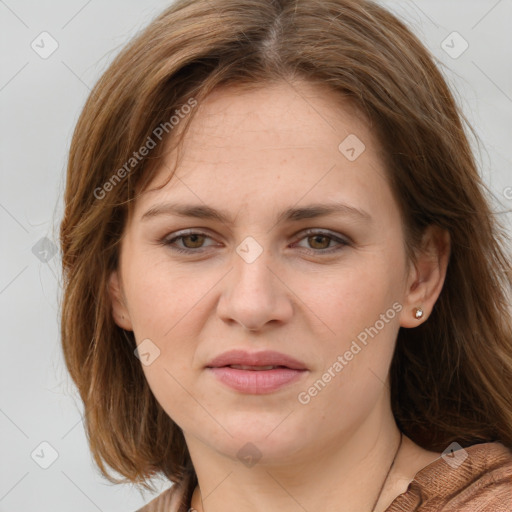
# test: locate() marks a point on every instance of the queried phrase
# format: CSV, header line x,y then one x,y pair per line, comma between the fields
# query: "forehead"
x,y
275,114
255,143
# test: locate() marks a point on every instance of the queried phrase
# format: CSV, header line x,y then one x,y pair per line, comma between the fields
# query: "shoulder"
x,y
478,477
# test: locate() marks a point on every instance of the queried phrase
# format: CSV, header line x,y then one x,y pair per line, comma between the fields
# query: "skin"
x,y
253,154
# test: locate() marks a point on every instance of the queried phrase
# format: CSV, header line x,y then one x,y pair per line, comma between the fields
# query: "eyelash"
x,y
168,242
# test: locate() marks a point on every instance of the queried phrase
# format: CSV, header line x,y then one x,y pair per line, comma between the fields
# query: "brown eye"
x,y
188,242
319,241
196,240
322,243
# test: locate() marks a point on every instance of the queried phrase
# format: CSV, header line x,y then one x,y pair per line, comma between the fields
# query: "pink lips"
x,y
256,377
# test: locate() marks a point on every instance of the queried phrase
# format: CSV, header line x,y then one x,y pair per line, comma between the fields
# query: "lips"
x,y
256,361
256,373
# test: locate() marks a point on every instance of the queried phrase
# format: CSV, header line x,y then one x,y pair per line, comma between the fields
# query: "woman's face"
x,y
329,290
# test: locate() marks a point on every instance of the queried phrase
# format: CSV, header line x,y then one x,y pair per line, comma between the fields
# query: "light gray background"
x,y
40,101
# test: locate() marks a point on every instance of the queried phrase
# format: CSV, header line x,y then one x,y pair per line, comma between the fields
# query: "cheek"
x,y
360,308
356,357
166,311
163,298
348,299
167,307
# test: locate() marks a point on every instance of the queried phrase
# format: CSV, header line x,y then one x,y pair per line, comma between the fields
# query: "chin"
x,y
255,440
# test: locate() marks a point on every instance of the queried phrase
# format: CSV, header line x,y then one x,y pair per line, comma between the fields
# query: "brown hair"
x,y
451,377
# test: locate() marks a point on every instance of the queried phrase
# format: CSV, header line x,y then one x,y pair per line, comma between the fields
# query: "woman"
x,y
285,288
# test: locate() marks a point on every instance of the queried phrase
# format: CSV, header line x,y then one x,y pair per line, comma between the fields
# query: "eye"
x,y
319,242
191,240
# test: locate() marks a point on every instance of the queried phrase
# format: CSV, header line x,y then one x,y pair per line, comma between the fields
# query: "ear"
x,y
119,310
426,276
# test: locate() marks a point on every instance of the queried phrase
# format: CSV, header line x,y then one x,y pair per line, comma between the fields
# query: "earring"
x,y
418,313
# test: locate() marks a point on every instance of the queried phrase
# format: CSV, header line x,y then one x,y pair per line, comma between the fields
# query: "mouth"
x,y
252,368
256,373
256,361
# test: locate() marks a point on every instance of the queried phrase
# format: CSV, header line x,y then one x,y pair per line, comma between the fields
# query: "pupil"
x,y
195,239
316,237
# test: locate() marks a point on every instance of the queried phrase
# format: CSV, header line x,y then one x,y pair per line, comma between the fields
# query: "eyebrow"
x,y
310,211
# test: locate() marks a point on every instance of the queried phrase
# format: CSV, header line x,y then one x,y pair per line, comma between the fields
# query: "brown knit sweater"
x,y
481,483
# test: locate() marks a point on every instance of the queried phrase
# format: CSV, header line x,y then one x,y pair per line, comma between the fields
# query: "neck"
x,y
344,479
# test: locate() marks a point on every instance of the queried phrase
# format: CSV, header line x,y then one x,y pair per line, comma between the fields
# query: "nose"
x,y
254,294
